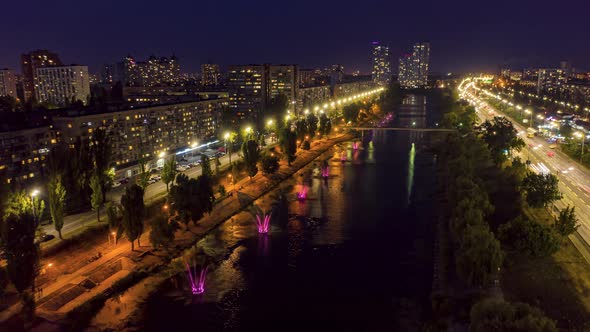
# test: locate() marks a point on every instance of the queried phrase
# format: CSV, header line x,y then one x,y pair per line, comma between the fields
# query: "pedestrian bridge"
x,y
405,129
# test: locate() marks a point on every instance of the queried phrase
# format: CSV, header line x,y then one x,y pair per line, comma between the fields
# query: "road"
x,y
73,222
574,179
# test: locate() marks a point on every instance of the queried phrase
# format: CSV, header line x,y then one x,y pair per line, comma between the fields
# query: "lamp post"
x,y
34,195
227,137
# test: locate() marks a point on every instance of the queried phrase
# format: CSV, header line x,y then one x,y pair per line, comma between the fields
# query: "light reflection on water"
x,y
355,219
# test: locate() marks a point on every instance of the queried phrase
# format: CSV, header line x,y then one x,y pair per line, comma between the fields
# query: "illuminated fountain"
x,y
355,145
263,223
302,193
197,285
343,156
325,172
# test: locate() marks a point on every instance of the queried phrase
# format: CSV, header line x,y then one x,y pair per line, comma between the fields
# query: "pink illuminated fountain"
x,y
197,285
302,193
263,223
325,172
355,145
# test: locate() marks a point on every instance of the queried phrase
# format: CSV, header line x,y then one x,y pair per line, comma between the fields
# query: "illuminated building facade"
x,y
551,81
146,132
413,68
252,87
7,83
30,62
210,75
381,72
62,85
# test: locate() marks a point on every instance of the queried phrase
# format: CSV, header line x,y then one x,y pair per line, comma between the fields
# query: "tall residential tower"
x,y
30,62
381,64
413,68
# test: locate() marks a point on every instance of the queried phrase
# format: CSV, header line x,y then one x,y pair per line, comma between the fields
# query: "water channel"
x,y
356,255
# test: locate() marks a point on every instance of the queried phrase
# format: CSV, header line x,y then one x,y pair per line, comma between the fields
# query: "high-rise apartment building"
x,y
156,71
413,68
551,80
7,83
30,63
210,75
252,87
62,85
381,64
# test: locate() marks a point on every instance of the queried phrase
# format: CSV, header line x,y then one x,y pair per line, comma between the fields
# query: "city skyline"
x,y
481,40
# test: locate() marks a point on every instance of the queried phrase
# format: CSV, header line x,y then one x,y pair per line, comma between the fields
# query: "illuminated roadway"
x,y
574,180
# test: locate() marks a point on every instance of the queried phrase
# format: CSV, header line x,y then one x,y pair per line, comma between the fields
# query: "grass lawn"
x,y
559,285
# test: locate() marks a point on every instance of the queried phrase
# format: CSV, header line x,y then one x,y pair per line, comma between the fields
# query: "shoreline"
x,y
253,190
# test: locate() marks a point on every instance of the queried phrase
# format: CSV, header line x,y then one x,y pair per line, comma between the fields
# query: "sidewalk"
x,y
71,290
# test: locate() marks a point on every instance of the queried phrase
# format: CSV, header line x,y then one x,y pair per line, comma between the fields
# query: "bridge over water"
x,y
404,129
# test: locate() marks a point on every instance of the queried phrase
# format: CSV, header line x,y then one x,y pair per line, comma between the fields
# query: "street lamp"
x,y
193,146
227,137
34,194
527,111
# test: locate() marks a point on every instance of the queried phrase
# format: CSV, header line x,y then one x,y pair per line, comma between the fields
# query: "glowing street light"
x,y
162,154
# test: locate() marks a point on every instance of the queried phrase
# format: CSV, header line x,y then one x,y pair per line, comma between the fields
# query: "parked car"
x,y
124,181
116,184
45,238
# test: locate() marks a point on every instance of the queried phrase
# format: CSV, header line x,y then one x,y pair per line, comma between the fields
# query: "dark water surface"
x,y
363,265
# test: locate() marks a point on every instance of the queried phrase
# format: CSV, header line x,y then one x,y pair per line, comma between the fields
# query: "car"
x,y
45,238
124,181
116,184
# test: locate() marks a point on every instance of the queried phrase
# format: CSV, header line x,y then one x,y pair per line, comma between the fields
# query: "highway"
x,y
574,179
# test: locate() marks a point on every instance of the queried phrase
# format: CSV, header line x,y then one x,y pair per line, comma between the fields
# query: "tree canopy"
x,y
133,213
479,256
497,315
251,152
501,137
541,189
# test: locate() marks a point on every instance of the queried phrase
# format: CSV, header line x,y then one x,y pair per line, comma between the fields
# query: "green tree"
x,y
288,143
143,177
114,213
190,199
306,145
96,199
567,222
21,253
541,189
497,315
133,213
206,166
351,112
162,231
169,172
501,137
269,164
57,200
221,190
312,124
325,124
479,256
21,203
101,151
251,152
235,171
529,237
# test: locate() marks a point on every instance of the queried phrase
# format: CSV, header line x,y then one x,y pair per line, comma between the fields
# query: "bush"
x,y
306,145
529,237
269,164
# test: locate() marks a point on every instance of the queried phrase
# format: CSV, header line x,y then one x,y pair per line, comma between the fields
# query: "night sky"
x,y
464,35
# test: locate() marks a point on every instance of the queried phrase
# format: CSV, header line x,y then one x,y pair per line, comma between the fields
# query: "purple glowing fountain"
x,y
197,286
302,194
263,223
325,172
355,145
